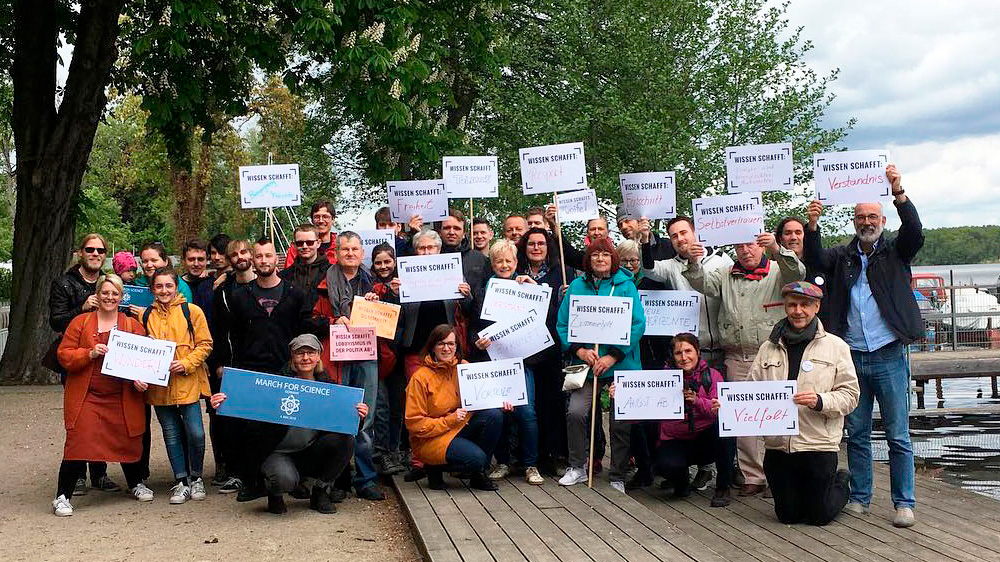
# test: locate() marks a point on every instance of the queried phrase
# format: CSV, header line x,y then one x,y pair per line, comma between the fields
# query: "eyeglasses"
x,y
446,344
92,249
602,255
867,218
306,243
630,261
322,217
536,244
305,352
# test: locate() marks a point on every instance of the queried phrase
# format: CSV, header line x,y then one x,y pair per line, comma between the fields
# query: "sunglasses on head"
x,y
92,249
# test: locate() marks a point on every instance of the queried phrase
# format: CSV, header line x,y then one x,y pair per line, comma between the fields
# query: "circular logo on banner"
x,y
290,404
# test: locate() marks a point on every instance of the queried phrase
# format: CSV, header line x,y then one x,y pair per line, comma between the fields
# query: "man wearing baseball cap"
x,y
802,469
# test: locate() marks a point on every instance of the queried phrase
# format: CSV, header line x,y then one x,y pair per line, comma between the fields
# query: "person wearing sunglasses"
x,y
322,216
70,295
309,268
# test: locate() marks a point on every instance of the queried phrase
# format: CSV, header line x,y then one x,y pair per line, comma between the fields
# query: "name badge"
x,y
807,365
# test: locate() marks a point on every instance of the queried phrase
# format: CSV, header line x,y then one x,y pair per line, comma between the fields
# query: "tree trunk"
x,y
52,152
190,190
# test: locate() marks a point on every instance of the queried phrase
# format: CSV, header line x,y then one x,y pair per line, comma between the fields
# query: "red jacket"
x,y
331,252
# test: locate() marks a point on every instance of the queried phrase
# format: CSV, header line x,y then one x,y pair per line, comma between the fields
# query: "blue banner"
x,y
139,296
290,401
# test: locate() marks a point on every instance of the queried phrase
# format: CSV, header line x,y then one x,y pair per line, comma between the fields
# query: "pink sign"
x,y
352,343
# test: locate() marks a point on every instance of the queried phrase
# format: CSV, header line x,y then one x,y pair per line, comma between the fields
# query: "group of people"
x,y
837,320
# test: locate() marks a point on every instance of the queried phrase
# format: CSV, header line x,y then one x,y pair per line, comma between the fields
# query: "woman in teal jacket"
x,y
602,277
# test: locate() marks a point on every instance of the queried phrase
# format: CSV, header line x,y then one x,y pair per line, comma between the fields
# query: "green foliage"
x,y
6,284
949,246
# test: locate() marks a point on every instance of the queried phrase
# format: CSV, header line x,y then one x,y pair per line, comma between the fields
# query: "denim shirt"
x,y
866,329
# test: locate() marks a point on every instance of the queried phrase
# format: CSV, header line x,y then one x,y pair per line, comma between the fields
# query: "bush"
x,y
6,284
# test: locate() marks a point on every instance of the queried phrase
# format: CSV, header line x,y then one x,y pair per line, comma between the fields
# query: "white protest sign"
x,y
372,238
757,408
430,278
728,219
523,337
577,205
420,197
488,385
649,194
556,167
594,319
649,395
669,313
507,299
854,176
470,176
760,167
270,186
138,358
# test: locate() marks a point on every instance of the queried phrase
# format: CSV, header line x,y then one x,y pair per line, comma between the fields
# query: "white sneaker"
x,y
499,472
142,493
61,507
180,493
532,476
857,508
904,517
198,489
573,476
618,485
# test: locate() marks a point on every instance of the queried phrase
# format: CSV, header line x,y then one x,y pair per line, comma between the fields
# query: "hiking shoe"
x,y
415,473
532,476
231,486
276,504
320,500
61,507
81,487
370,493
142,493
180,493
338,495
618,485
904,517
198,489
573,476
390,466
857,508
106,484
499,472
722,498
701,479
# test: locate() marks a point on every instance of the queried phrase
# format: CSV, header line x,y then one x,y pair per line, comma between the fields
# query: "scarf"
x,y
755,274
543,270
783,330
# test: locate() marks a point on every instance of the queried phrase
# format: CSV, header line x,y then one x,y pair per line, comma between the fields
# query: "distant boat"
x,y
973,300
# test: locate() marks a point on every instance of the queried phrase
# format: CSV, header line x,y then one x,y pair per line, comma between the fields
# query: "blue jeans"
x,y
527,423
884,375
472,448
184,461
389,412
363,374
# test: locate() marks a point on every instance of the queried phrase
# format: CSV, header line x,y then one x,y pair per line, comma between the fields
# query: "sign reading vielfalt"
x,y
751,408
556,167
853,176
274,185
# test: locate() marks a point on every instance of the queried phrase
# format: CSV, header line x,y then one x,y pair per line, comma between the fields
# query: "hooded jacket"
x,y
307,276
826,369
432,397
167,322
259,342
627,356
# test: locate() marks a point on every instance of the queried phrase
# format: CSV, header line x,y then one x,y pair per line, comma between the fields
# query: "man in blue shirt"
x,y
872,308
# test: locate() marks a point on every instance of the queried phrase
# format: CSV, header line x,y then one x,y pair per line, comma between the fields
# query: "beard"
x,y
869,234
266,270
241,265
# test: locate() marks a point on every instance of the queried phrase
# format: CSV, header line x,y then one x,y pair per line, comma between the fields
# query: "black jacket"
x,y
260,342
475,266
67,294
306,276
888,275
654,351
660,248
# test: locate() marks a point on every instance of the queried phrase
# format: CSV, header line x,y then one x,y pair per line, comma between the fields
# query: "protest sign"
x,y
760,167
520,338
383,316
372,238
556,167
594,319
138,358
420,197
728,219
136,295
506,299
669,313
430,278
649,194
577,205
757,408
354,343
489,384
470,176
854,176
649,395
270,186
290,401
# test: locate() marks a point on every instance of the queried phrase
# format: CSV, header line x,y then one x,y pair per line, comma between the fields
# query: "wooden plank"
x,y
430,535
528,542
470,547
493,536
558,542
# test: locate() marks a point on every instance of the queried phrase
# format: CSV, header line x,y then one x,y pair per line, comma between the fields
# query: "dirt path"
x,y
113,526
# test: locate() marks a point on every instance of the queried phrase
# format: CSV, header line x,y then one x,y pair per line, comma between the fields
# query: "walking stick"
x,y
593,425
562,260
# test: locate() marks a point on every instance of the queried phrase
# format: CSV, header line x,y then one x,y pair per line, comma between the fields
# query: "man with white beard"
x,y
873,309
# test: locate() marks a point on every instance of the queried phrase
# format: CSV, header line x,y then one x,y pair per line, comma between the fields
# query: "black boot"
x,y
276,504
414,474
480,481
321,501
435,478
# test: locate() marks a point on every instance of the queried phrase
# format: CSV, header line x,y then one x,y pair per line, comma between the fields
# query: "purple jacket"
x,y
701,410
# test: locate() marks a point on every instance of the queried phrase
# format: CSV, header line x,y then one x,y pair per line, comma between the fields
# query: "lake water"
x,y
966,274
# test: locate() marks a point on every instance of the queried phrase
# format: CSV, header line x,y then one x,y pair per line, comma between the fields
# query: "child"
x,y
125,267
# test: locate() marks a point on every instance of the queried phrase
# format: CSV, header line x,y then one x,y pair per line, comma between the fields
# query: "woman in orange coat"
x,y
105,416
177,405
442,433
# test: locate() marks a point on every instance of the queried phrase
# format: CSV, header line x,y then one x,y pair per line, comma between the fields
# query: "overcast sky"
x,y
923,79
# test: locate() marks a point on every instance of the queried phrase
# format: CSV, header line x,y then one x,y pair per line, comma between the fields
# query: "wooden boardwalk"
x,y
553,523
